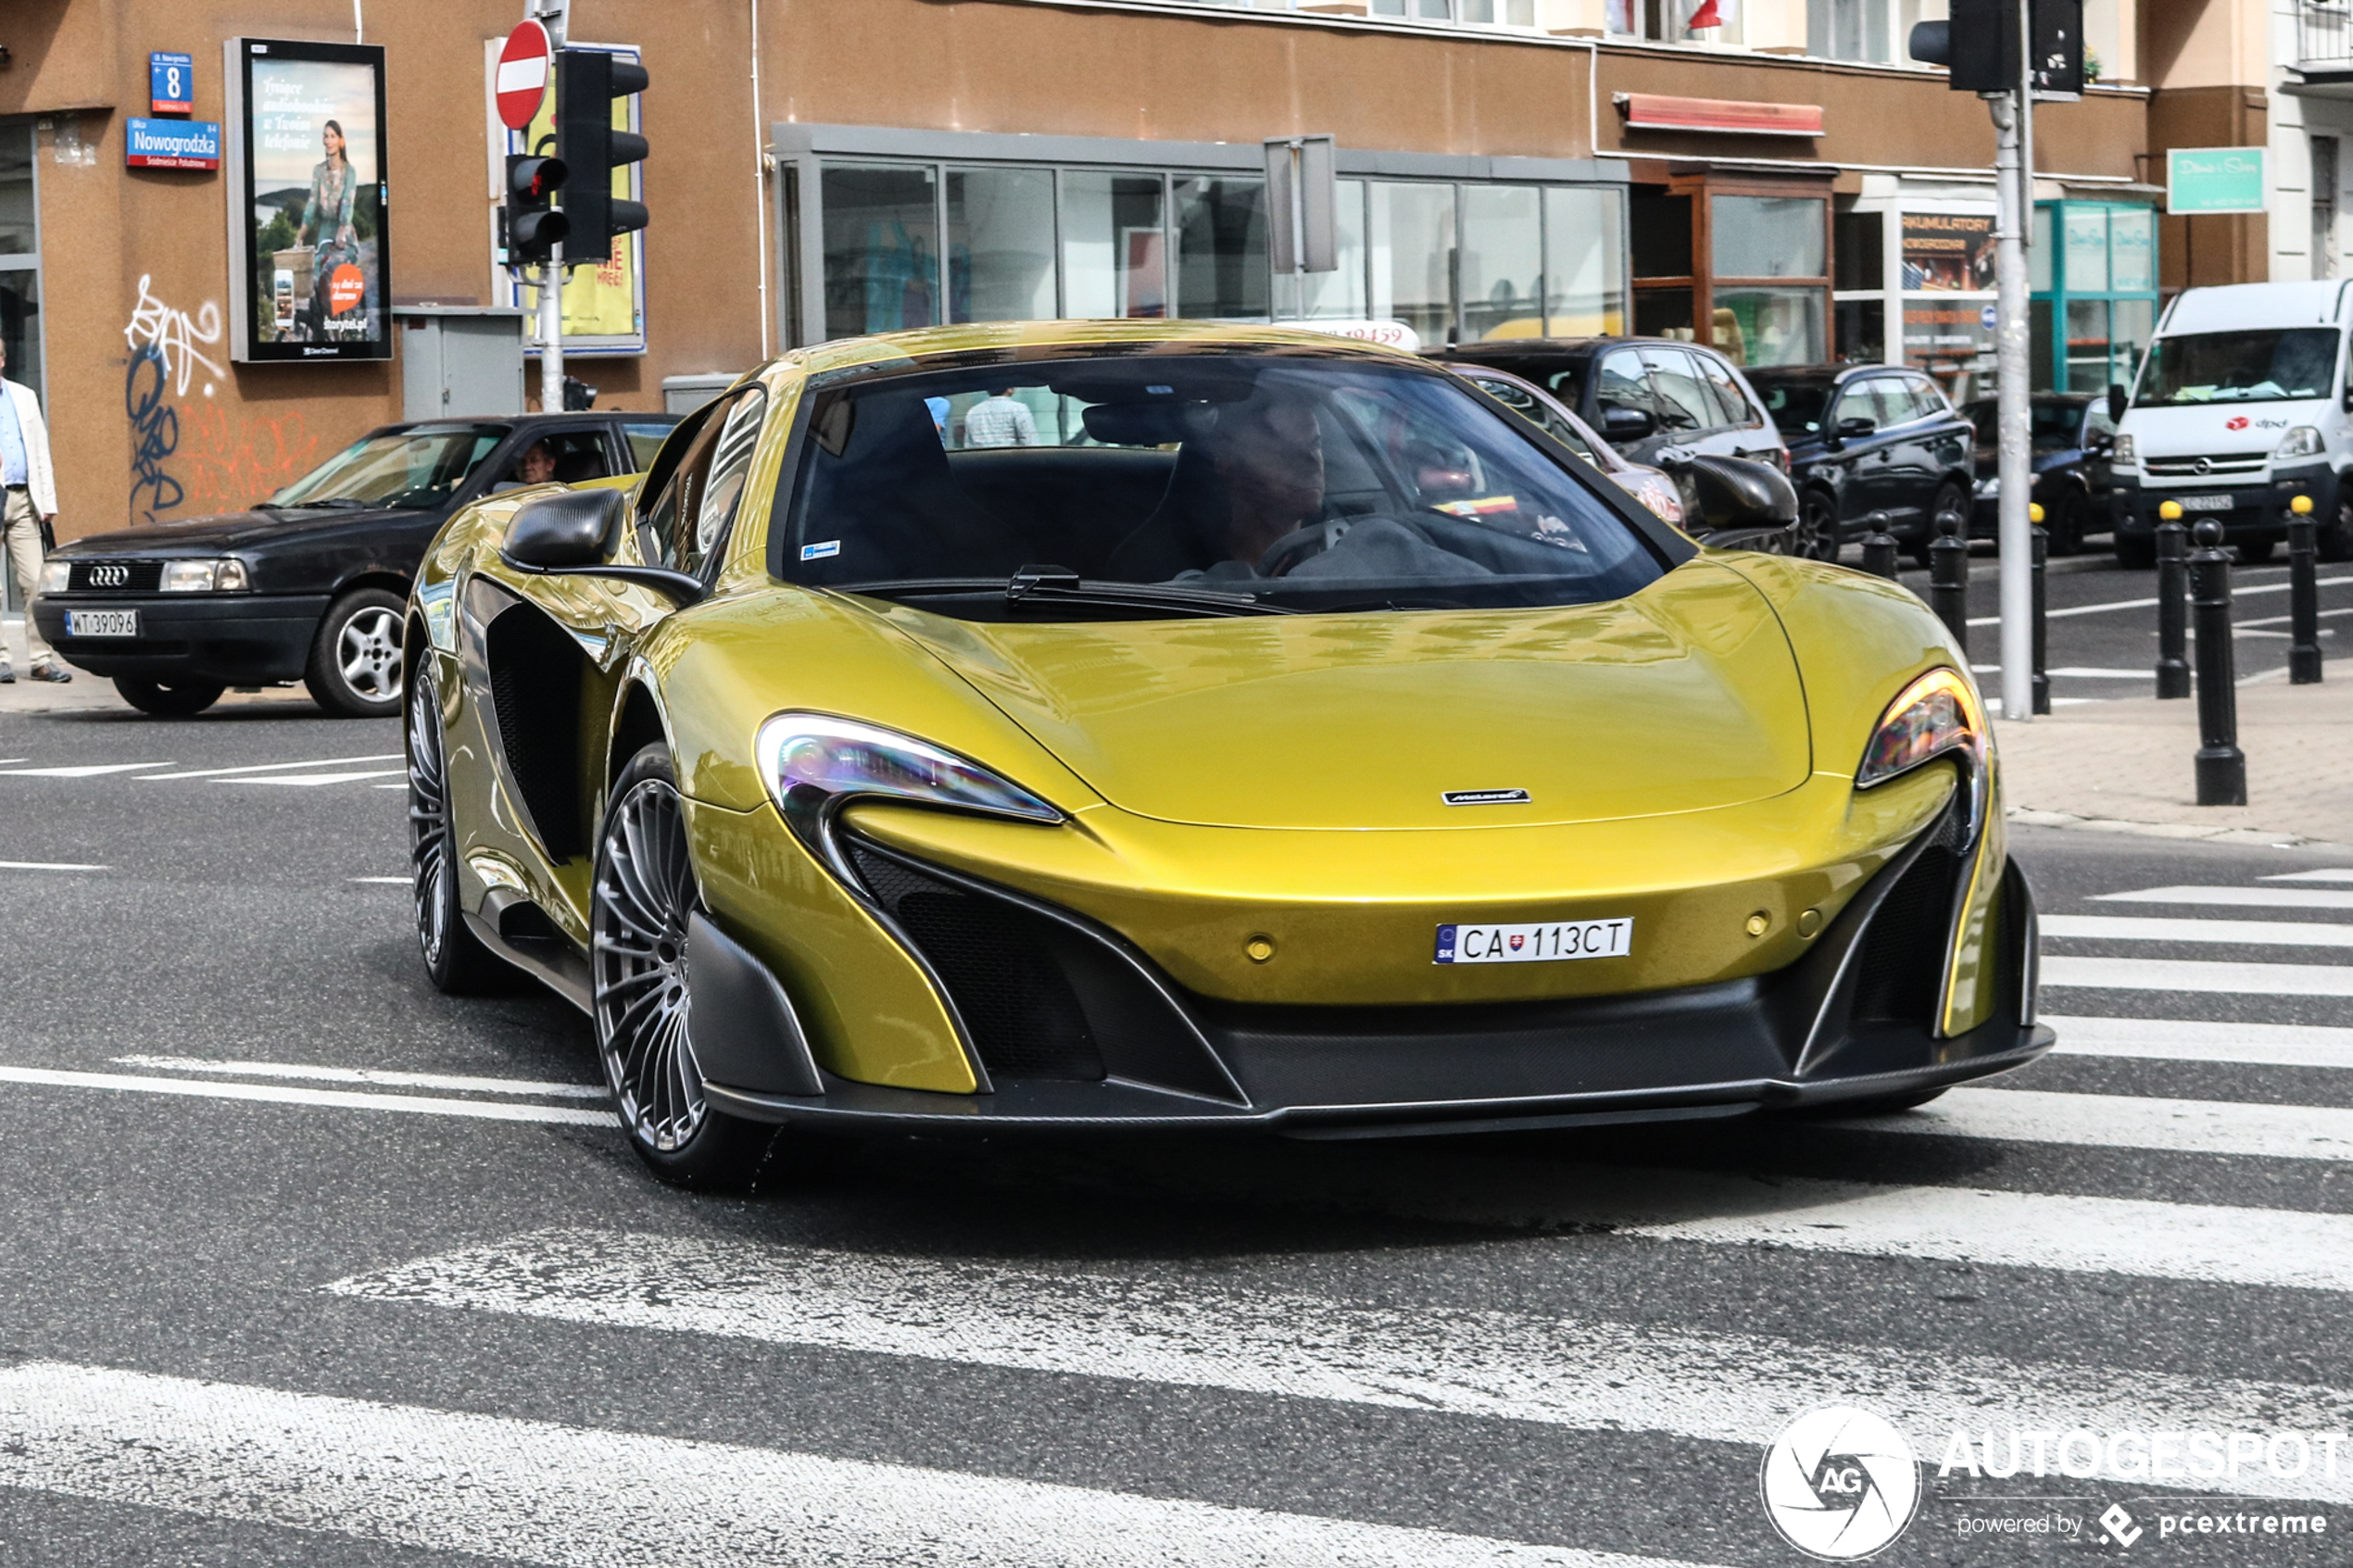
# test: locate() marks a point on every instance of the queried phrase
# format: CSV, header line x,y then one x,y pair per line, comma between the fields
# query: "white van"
x,y
2242,406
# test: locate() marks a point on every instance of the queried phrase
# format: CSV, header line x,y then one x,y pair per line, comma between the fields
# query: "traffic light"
x,y
1980,46
588,80
534,229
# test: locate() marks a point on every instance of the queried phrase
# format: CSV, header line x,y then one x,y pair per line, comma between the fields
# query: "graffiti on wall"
x,y
230,464
155,435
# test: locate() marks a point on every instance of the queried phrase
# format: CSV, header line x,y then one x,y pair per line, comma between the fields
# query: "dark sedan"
x,y
1871,438
310,585
2074,444
1646,396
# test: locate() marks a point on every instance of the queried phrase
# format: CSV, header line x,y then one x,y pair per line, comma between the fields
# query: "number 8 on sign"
x,y
171,83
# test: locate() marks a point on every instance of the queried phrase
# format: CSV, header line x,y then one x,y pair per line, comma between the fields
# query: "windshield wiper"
x,y
1055,585
327,501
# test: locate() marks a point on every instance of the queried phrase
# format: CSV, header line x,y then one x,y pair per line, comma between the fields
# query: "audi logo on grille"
x,y
110,576
2204,465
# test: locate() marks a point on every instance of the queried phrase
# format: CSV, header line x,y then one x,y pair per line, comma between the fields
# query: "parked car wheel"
x,y
641,995
169,699
1817,536
455,961
2067,526
355,661
2336,540
2135,554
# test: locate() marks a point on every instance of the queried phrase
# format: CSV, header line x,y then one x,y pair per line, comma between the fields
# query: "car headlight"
x,y
1989,489
2124,452
815,764
204,576
1933,717
55,575
2304,441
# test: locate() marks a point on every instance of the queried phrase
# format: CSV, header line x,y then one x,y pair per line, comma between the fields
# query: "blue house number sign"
x,y
171,83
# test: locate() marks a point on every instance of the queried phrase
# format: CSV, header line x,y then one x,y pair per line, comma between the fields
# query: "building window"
x,y
1467,13
1859,251
882,248
1000,244
1221,248
1114,245
1676,21
1411,231
1875,32
2094,293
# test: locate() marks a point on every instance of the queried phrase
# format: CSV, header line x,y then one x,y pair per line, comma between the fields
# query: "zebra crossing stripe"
x,y
2199,974
2248,933
585,1497
2243,897
287,1093
2166,1039
1169,1330
2178,1127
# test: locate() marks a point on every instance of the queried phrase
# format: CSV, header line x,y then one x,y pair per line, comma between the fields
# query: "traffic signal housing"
x,y
533,228
588,80
1979,45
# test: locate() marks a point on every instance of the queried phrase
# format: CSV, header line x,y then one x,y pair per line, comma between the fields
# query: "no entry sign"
x,y
522,75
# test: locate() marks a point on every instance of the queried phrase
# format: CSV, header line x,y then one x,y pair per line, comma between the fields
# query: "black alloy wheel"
x,y
2335,540
1816,536
456,959
642,996
355,666
169,699
2066,529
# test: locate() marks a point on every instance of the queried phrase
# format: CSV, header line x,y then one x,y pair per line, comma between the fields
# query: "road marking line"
x,y
2194,974
2165,1039
2243,897
281,1094
2078,672
578,1496
2251,932
48,866
81,771
312,780
2242,591
2178,1126
2333,873
278,767
388,786
460,1082
1172,1328
387,881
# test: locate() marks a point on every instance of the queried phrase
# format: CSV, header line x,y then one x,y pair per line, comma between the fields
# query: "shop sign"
x,y
1948,252
171,83
1389,334
2214,179
171,143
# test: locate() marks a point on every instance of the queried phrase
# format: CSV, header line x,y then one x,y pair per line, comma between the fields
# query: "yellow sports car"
x,y
1152,724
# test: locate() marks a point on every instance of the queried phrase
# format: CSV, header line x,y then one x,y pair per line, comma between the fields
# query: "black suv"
x,y
1871,438
1643,395
311,584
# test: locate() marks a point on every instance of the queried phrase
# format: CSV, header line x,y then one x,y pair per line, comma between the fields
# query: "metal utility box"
x,y
684,394
457,360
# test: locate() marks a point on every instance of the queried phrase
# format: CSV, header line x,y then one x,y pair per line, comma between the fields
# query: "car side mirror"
x,y
570,535
2119,401
1734,503
1857,425
1628,424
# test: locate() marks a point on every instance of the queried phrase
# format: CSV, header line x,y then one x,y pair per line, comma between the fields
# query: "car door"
x,y
1913,435
1746,432
1865,462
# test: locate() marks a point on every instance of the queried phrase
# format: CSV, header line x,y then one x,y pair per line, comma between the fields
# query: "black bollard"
x,y
2172,603
2221,766
1880,548
2042,643
2303,596
1948,578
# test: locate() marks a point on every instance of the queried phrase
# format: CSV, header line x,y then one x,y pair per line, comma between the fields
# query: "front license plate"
x,y
1545,942
2207,503
102,623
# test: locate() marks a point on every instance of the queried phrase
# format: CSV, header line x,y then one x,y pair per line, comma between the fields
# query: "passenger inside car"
x,y
568,457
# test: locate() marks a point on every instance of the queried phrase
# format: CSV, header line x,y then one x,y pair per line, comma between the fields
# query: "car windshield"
x,y
1169,483
1512,395
416,468
2244,366
1795,407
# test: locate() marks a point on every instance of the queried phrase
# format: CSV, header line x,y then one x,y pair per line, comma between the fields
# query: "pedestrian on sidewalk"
x,y
30,488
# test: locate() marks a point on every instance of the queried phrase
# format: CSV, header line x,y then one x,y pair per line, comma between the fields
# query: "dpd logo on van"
x,y
1840,1484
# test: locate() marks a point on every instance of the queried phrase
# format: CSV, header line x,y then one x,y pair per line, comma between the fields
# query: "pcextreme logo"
x,y
1840,1484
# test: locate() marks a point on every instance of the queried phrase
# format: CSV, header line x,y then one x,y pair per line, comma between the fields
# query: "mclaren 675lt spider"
x,y
1151,726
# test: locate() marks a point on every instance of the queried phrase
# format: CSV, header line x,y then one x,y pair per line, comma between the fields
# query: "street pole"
x,y
2014,182
555,15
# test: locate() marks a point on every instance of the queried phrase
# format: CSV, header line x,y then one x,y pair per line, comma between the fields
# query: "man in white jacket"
x,y
30,488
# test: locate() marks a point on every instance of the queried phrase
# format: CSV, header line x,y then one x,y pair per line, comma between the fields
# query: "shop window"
x,y
1770,326
1862,331
1221,248
2085,249
1756,241
1861,249
1768,237
1411,249
1664,313
1584,264
1662,234
1503,265
1337,295
882,248
1000,244
2095,295
1114,245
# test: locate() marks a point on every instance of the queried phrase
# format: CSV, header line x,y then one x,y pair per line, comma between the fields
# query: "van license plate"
x,y
102,623
2207,503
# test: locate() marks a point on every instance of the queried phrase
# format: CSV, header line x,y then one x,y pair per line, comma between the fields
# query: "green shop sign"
x,y
2205,179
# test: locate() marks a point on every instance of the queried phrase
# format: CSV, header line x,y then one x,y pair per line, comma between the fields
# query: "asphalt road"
x,y
302,1263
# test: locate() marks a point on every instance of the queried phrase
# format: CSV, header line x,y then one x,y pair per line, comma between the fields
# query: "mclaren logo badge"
x,y
1486,797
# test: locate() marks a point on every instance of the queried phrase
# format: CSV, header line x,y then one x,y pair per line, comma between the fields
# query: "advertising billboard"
x,y
1948,252
309,256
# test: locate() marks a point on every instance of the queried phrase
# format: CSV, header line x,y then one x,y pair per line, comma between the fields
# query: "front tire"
x,y
2335,542
169,699
2067,529
1816,534
456,959
355,666
640,993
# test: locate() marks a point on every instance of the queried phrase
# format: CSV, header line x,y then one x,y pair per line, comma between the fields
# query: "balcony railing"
x,y
2324,35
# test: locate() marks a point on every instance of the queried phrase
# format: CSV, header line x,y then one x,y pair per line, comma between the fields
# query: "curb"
x,y
2270,840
